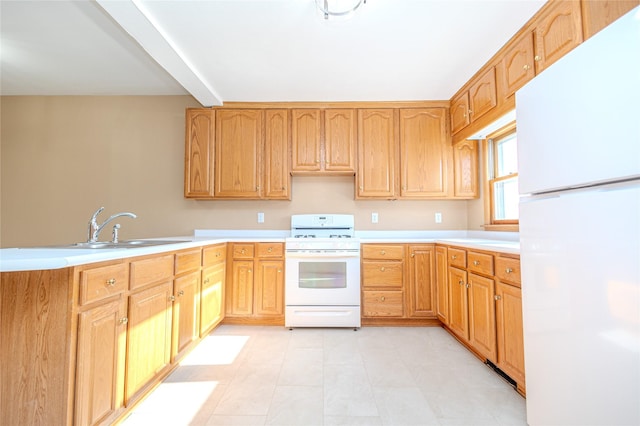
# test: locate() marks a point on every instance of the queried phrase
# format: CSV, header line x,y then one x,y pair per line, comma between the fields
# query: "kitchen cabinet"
x,y
323,141
382,280
458,303
100,363
557,32
426,168
239,150
255,290
442,289
377,145
465,160
597,14
277,178
421,300
199,150
213,281
482,322
510,339
186,306
149,325
474,102
516,67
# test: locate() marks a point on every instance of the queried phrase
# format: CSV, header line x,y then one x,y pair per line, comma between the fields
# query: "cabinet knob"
x,y
460,282
124,320
497,297
468,285
111,282
454,257
270,249
242,251
218,254
258,188
206,280
382,269
537,58
250,271
382,252
181,293
470,112
382,298
526,67
361,187
508,270
172,298
279,271
413,255
476,262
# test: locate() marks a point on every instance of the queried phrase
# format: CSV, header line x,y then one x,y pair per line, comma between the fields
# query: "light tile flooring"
x,y
247,375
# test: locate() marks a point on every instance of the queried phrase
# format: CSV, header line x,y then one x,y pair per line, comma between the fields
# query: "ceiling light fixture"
x,y
338,8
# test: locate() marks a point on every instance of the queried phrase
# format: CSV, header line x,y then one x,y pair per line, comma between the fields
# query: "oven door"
x,y
322,278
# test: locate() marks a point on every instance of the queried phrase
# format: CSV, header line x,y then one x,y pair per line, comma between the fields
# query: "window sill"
x,y
507,228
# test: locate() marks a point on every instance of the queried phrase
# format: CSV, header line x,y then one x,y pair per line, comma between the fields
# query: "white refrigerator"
x,y
578,129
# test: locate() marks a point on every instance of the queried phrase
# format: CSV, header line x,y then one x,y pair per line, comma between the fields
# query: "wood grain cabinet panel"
x,y
306,136
460,112
340,130
508,270
465,159
421,300
425,153
239,146
383,274
199,151
458,303
510,333
442,287
212,297
102,282
597,14
382,303
483,94
186,313
376,175
100,363
557,33
517,66
482,322
276,154
481,263
269,287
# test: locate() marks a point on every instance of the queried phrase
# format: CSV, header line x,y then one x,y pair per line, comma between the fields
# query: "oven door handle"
x,y
322,255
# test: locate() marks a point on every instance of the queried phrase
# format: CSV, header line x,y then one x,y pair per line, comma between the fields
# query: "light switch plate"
x,y
260,217
438,217
374,217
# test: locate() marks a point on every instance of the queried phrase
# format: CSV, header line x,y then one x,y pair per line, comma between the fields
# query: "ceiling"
x,y
251,50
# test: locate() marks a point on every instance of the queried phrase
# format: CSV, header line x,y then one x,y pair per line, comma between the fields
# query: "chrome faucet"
x,y
94,228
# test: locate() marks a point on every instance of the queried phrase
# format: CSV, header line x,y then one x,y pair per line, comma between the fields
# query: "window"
x,y
502,176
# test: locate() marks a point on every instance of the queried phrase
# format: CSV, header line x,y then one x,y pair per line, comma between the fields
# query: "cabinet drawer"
x,y
508,270
243,251
270,249
187,261
457,257
480,262
151,270
382,274
383,252
213,254
382,304
100,283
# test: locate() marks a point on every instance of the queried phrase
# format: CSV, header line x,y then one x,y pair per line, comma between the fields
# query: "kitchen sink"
x,y
121,244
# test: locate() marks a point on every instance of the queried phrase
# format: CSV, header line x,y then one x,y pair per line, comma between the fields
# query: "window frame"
x,y
491,170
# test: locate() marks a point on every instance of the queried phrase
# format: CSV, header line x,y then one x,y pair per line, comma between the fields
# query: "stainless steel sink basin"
x,y
121,244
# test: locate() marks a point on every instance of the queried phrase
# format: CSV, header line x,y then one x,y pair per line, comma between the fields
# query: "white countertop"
x,y
38,258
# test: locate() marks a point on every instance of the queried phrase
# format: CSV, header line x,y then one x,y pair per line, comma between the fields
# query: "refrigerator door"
x,y
580,253
579,120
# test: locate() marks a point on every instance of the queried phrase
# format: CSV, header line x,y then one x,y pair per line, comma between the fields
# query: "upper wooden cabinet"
x,y
557,32
277,179
597,14
199,149
465,159
323,141
376,175
473,103
516,67
425,153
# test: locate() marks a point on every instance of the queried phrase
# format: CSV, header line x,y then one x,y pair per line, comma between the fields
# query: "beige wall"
x,y
63,157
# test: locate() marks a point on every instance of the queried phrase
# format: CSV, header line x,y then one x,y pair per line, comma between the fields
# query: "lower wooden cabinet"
x,y
421,297
100,365
255,285
212,294
458,303
482,328
442,288
186,313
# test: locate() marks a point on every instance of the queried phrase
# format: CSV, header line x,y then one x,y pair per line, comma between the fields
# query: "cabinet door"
x,y
442,289
211,306
276,152
482,321
482,94
199,146
238,154
100,363
376,175
465,165
240,289
269,287
340,140
557,33
425,153
510,334
305,136
458,308
460,112
422,278
186,310
516,67
149,338
382,303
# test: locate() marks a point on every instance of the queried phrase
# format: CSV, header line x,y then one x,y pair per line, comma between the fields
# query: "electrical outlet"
x,y
374,217
261,217
438,217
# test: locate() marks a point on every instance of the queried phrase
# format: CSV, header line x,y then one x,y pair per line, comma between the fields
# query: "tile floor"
x,y
247,375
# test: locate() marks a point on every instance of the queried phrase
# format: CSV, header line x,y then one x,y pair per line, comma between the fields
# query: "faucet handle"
x,y
97,212
114,234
